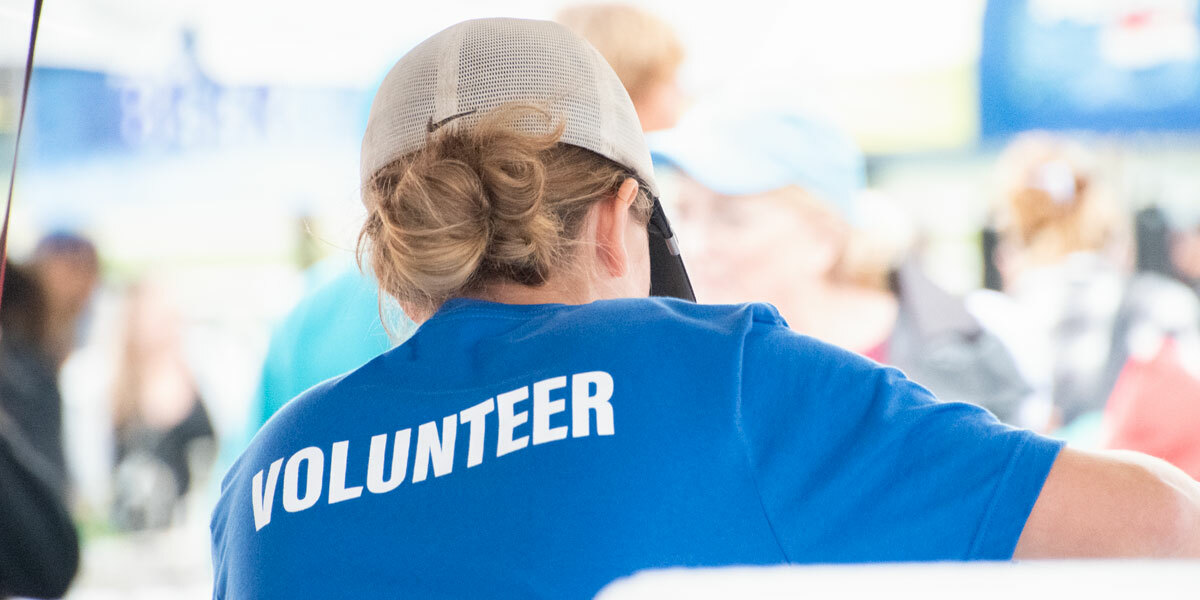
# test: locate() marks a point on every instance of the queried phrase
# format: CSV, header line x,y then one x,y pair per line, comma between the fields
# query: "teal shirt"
x,y
335,329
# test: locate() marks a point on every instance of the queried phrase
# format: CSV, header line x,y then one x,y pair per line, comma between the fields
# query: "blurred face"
x,y
68,282
154,324
761,247
660,106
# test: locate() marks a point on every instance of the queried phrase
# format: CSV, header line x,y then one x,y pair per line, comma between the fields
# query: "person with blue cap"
x,y
772,201
551,427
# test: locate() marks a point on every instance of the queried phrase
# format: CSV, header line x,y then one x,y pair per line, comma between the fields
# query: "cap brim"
x,y
668,276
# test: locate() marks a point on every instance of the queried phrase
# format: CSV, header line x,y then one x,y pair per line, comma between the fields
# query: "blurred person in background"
x,y
163,435
29,391
642,49
39,548
771,203
1154,406
68,268
1066,262
336,326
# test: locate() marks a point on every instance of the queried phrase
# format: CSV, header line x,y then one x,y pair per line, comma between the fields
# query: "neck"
x,y
558,290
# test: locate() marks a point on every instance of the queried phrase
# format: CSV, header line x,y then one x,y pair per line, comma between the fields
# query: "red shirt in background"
x,y
1155,408
878,352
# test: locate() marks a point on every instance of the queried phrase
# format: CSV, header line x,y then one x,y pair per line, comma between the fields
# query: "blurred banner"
x,y
899,76
15,18
1118,65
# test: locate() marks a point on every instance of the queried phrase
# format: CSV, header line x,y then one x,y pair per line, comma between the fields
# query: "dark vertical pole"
x,y
1153,238
33,29
989,241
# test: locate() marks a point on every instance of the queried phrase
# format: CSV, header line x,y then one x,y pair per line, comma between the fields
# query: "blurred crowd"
x,y
155,438
1085,324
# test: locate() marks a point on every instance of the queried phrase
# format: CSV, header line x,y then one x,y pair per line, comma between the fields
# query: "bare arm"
x,y
1113,504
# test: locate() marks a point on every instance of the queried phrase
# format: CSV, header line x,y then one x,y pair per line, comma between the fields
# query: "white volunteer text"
x,y
591,392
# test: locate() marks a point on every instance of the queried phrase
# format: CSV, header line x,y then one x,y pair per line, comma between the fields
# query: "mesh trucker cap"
x,y
453,78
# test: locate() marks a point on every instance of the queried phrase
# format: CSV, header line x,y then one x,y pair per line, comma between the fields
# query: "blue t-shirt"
x,y
545,450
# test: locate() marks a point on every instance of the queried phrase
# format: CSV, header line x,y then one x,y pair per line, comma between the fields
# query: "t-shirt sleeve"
x,y
856,463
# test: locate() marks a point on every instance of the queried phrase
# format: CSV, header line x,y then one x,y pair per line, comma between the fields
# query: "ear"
x,y
612,220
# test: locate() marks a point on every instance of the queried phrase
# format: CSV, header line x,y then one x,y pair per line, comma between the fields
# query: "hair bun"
x,y
489,202
523,234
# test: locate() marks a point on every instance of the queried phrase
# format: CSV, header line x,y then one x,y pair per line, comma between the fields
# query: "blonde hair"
x,y
642,49
484,204
1048,221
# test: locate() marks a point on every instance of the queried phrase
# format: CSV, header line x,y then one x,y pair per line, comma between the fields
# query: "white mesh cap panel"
x,y
396,125
481,64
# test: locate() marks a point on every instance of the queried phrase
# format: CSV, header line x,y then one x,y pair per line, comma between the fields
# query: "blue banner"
x,y
1104,66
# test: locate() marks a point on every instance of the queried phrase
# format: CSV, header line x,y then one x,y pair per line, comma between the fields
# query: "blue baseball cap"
x,y
742,151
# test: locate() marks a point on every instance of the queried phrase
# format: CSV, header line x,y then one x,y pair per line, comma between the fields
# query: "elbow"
x,y
1170,523
1113,504
1182,539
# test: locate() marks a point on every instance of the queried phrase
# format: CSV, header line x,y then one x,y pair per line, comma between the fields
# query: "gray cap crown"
x,y
475,66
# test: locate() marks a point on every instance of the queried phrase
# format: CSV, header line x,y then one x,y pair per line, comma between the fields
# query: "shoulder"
x,y
662,326
757,329
683,315
314,410
313,406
